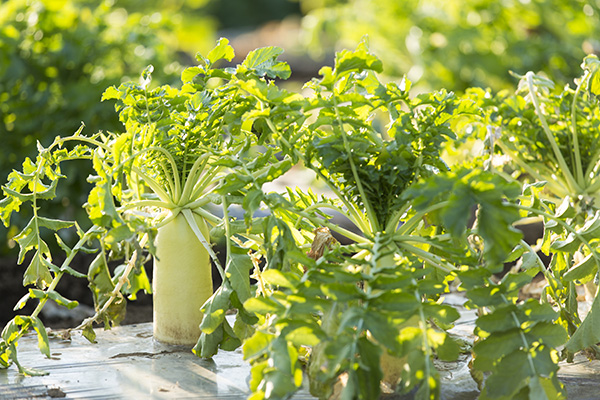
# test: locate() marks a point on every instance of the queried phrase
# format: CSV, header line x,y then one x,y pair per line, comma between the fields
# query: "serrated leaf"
x,y
543,388
37,272
190,73
22,301
89,333
263,61
357,60
395,301
28,240
495,347
588,333
569,245
8,205
256,345
111,93
238,272
43,343
222,51
592,64
278,278
215,307
62,301
261,305
584,271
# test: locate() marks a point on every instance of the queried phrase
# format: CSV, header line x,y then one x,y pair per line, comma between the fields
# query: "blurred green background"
x,y
58,56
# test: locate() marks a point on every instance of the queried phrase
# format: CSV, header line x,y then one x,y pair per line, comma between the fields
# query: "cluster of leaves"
x,y
349,314
519,339
177,153
370,312
549,135
357,315
460,45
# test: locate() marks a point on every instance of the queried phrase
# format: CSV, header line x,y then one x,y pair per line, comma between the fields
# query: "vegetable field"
x,y
431,138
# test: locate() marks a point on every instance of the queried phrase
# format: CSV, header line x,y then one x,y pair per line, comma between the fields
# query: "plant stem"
x,y
579,171
564,225
374,227
409,225
353,214
192,178
571,183
319,221
116,292
428,257
188,214
556,187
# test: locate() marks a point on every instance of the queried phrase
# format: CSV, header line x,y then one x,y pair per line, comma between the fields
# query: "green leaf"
x,y
190,73
441,312
502,319
111,93
256,345
395,301
495,347
263,62
29,237
343,291
517,371
300,333
8,205
89,333
230,341
60,300
381,327
543,388
43,343
592,64
591,229
584,271
510,376
22,301
588,333
282,279
214,308
358,60
238,272
37,272
222,51
446,348
208,344
485,296
569,245
251,203
548,333
261,305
